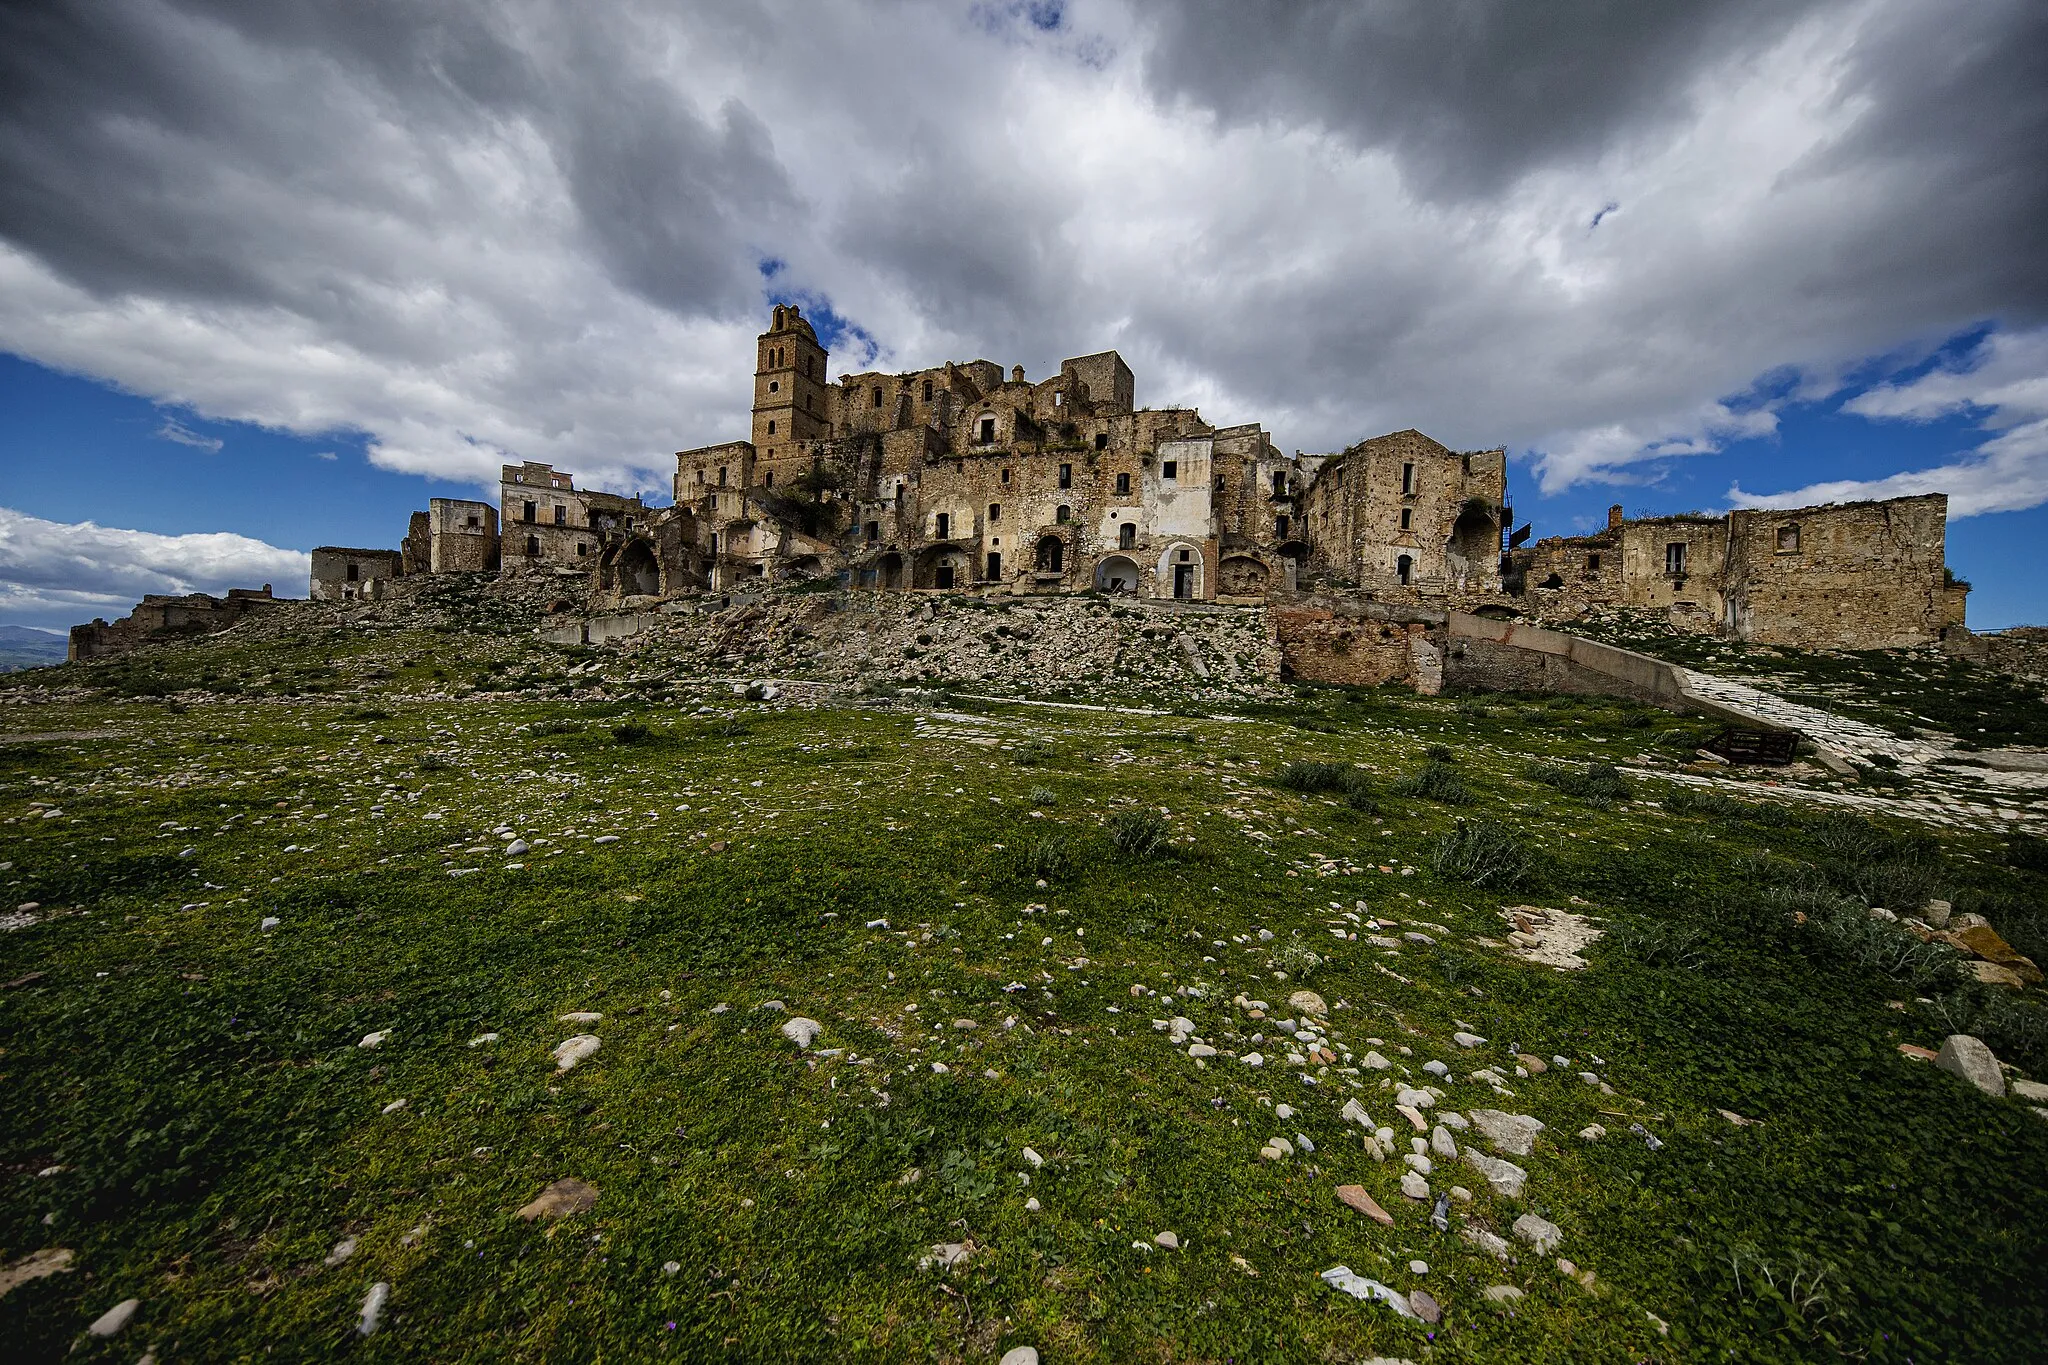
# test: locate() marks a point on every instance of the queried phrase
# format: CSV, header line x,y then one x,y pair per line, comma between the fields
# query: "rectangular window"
x,y
1169,469
1066,476
1407,518
1592,563
352,574
1102,440
771,426
945,527
995,566
1123,485
581,549
527,514
471,523
1674,557
714,542
995,512
1279,528
721,476
988,431
1788,537
561,516
768,479
1127,536
878,395
1006,476
711,503
927,390
1407,480
1279,483
874,531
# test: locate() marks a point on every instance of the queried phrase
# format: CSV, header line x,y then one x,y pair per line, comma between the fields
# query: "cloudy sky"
x,y
272,272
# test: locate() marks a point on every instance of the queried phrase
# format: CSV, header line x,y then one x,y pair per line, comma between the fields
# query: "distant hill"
x,y
25,647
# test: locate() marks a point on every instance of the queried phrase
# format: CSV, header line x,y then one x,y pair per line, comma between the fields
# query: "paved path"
x,y
1853,737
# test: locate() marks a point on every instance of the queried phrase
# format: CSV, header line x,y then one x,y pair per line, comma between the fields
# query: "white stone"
x,y
270,922
1540,1233
517,847
1019,1355
2030,1090
671,1267
394,1106
571,1051
1514,1134
1031,1206
1467,1039
1249,1058
801,1031
1034,1158
1283,1111
373,1308
1418,1267
1414,1186
1414,1099
1302,1143
1354,1112
1204,1050
1440,1142
1969,1058
1492,1243
483,1038
114,1319
1435,1068
1309,1003
1419,1163
580,1017
1502,1293
1372,1061
1592,1132
343,1249
1504,1176
375,1039
1168,1240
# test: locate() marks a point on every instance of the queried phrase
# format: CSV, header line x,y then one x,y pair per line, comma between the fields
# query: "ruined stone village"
x,y
1395,559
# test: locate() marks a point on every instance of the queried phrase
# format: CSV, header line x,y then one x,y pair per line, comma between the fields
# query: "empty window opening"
x,y
353,573
1052,555
927,390
995,511
1279,483
768,479
775,386
721,476
561,516
1186,555
988,431
945,527
1169,469
582,549
1061,513
995,566
942,577
532,546
1554,581
1407,518
1066,476
1593,563
526,513
878,395
1102,440
471,523
714,542
873,531
1407,480
1788,536
1006,476
1123,485
1403,568
1126,535
1674,557
771,426
1280,528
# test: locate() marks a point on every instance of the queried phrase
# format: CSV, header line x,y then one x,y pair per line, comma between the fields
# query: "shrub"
x,y
2027,851
1043,796
1482,853
1297,959
1678,947
434,763
1438,782
1846,932
1047,858
1138,833
1440,753
1033,753
1313,776
1695,801
632,732
542,728
1599,784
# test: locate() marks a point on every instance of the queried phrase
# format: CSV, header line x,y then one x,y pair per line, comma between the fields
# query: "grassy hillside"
x,y
989,908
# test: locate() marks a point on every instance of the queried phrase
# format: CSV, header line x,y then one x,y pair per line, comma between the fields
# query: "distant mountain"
x,y
26,647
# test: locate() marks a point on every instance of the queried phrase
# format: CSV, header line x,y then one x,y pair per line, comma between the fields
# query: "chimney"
x,y
1614,516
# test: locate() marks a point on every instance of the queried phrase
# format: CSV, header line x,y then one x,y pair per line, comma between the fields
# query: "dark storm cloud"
x,y
1468,93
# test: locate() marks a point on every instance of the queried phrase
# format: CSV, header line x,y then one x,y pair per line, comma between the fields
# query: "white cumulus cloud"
x,y
59,574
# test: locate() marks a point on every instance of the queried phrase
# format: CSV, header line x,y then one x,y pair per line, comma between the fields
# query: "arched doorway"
x,y
639,572
1180,571
892,571
1118,576
943,567
1404,569
1051,555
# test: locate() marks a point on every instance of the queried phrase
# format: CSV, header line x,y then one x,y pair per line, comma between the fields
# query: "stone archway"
x,y
1050,556
1180,572
638,571
944,568
1117,575
891,570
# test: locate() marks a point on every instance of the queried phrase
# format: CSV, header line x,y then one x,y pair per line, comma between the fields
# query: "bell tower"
x,y
789,392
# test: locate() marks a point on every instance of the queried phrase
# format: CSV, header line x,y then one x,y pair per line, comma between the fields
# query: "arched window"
x,y
927,390
1061,513
1403,567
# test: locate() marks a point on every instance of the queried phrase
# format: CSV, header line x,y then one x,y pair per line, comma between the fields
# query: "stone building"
x,y
548,522
1865,575
341,574
957,478
160,614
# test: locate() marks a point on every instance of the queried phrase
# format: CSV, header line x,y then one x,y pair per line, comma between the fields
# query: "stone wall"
x,y
157,616
462,536
1406,518
342,574
1866,575
1361,644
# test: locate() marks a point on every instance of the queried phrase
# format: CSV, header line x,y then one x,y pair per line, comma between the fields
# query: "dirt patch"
x,y
1549,938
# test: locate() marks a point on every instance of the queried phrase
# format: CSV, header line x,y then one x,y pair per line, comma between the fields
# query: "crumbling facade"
x,y
966,478
341,574
1866,575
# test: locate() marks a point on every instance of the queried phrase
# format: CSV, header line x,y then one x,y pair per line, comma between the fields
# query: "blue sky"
x,y
1799,241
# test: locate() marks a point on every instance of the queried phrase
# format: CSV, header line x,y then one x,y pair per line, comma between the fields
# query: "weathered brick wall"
x,y
1865,575
1353,510
1342,643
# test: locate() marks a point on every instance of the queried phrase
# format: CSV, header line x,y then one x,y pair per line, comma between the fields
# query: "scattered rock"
x,y
801,1031
1969,1058
1592,1132
1356,1197
1736,1119
1501,1293
269,922
1463,1039
1034,1158
560,1200
1492,1243
1440,1142
2030,1090
373,1309
1536,1065
1019,1355
1372,1061
1249,1058
483,1038
375,1039
1341,1278
570,1051
1414,1186
1309,1003
343,1249
1414,1099
1514,1134
1997,974
1504,1176
394,1107
1918,1053
1170,1241
114,1319
946,1255
1936,913
580,1017
36,1265
1201,1050
1423,1305
1540,1233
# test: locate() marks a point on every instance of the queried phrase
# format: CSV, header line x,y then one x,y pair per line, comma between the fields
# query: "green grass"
x,y
219,1130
